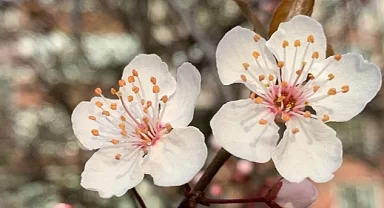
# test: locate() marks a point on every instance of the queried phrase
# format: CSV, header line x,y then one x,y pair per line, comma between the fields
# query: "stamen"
x,y
263,122
95,132
284,83
332,91
130,98
245,65
295,130
117,156
153,80
256,37
271,77
99,104
115,141
123,118
93,118
331,76
122,126
337,57
156,89
307,114
280,64
261,77
297,43
131,79
345,88
168,127
285,117
252,95
134,73
142,101
124,133
255,54
122,83
113,91
259,100
315,55
315,88
285,43
325,118
135,89
98,91
164,99
311,39
106,113
243,77
113,106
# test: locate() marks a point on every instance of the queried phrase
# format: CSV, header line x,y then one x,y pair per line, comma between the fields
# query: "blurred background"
x,y
53,53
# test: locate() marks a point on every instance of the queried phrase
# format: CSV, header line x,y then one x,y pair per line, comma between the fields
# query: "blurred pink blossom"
x,y
296,195
216,190
63,205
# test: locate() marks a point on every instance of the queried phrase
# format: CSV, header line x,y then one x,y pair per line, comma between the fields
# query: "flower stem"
x,y
138,198
208,201
221,157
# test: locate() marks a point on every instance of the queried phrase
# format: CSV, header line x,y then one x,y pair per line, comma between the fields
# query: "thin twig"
x,y
138,198
246,8
208,201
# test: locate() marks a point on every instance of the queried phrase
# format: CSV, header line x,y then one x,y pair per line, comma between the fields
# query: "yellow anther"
x,y
311,39
169,127
146,119
337,57
164,99
295,130
297,43
117,156
113,106
255,54
122,83
252,95
331,76
115,141
131,79
95,132
122,126
332,91
92,118
263,122
271,77
280,99
106,113
256,37
315,54
306,103
280,64
261,77
345,88
285,117
284,83
298,72
266,85
156,89
315,88
310,76
135,89
243,77
307,114
113,91
123,118
245,65
259,100
130,98
285,43
134,73
145,110
142,101
153,80
99,104
325,118
98,91
123,132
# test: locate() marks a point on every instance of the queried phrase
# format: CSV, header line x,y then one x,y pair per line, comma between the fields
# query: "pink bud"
x,y
63,205
216,190
296,195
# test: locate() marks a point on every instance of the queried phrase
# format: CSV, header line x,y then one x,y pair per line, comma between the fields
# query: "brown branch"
x,y
246,8
138,198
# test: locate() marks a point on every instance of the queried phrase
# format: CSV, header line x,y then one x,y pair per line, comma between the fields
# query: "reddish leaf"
x,y
288,9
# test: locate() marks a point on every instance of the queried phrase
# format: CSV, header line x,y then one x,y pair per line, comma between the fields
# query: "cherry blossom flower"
x,y
144,131
291,81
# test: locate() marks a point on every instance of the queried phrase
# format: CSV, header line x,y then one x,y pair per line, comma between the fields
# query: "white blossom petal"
x,y
296,195
298,28
309,148
177,157
236,48
237,129
185,97
149,66
112,177
82,125
362,78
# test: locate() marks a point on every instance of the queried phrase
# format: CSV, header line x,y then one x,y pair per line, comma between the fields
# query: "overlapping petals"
x,y
144,131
